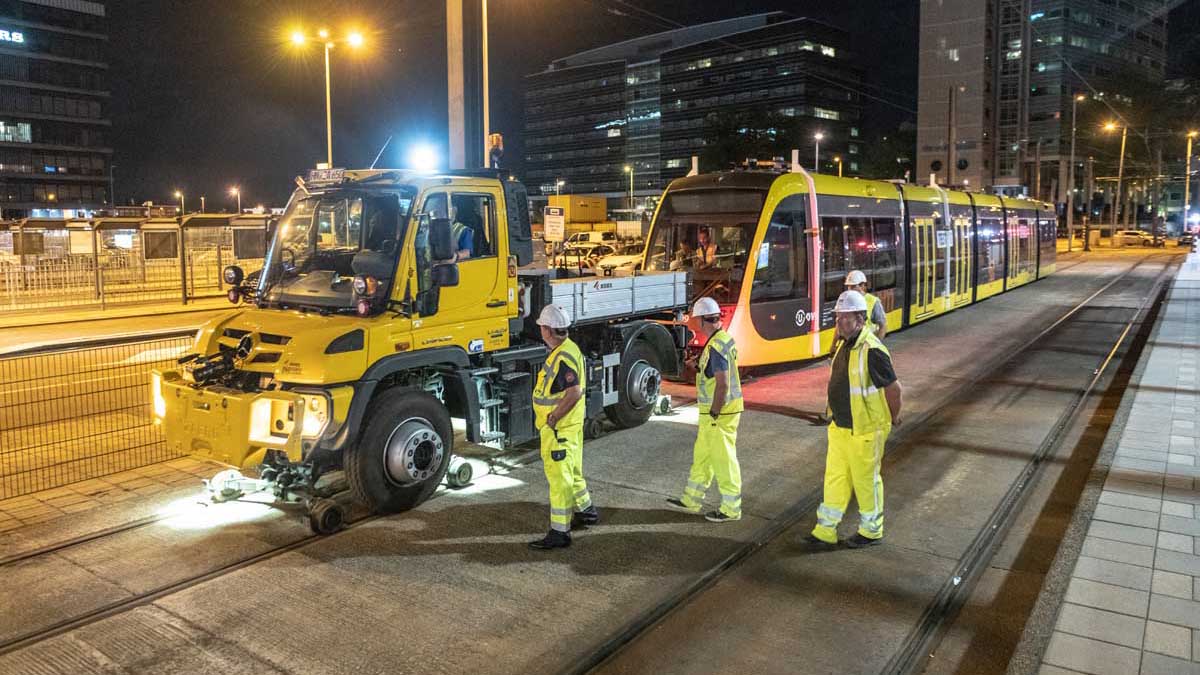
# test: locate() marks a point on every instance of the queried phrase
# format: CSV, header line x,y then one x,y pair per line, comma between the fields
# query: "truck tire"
x,y
402,454
638,381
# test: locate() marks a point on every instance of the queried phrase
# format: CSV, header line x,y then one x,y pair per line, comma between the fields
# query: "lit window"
x,y
852,149
826,114
854,132
952,54
854,166
20,132
828,51
676,163
614,132
1013,55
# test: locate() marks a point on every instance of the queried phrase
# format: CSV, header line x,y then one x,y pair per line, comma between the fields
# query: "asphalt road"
x,y
451,586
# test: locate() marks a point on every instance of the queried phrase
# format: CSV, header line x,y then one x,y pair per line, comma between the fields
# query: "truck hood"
x,y
295,347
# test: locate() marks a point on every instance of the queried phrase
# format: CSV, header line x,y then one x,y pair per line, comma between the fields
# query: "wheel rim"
x,y
413,452
643,384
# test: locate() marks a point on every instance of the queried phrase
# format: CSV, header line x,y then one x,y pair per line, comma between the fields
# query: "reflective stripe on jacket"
x,y
544,401
706,387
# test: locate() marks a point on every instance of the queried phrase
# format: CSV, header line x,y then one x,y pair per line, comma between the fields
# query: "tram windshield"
x,y
708,232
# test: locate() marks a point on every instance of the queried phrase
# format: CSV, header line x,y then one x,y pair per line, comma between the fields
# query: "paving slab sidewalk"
x,y
1133,602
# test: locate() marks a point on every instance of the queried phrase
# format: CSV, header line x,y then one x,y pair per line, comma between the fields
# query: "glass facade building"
x,y
996,80
54,107
646,103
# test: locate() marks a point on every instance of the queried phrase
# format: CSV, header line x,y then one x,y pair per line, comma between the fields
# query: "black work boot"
x,y
588,516
553,539
859,541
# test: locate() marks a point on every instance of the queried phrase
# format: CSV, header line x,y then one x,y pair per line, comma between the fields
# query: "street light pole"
x,y
182,202
1187,181
237,192
1120,174
201,203
328,112
817,151
838,160
1071,176
112,197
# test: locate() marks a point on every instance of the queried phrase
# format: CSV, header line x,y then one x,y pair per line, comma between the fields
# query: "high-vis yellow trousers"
x,y
715,456
568,490
852,467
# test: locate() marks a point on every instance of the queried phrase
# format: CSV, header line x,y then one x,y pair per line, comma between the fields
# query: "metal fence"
x,y
72,413
118,261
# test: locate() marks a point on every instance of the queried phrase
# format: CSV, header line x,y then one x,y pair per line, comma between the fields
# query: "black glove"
x,y
558,455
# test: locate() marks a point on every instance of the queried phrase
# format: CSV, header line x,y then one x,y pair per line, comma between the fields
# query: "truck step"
x,y
489,436
490,402
478,372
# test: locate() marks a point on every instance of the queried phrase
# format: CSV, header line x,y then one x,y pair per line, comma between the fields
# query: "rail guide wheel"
x,y
593,428
460,473
326,516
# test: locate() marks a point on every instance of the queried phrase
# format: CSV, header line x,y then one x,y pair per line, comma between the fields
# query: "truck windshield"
x,y
708,232
322,241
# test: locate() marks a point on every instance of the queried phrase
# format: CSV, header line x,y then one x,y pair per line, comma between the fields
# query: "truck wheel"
x,y
402,454
638,381
326,516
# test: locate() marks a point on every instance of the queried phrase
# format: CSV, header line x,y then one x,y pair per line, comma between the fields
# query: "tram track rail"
x,y
952,594
144,598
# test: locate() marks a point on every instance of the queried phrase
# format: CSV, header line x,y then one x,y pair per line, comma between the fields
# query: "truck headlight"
x,y
157,399
316,415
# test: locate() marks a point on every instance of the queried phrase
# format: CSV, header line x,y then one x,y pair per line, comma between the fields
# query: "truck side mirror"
x,y
441,243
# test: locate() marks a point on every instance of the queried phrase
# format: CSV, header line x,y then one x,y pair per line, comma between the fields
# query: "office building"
x,y
997,77
54,107
648,103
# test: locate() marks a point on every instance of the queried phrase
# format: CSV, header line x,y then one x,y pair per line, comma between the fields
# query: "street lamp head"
x,y
1193,134
234,191
323,34
628,168
837,159
560,182
1110,126
355,39
178,194
298,38
1081,97
818,135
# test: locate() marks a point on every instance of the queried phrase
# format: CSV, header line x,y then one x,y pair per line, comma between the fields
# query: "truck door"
x,y
473,314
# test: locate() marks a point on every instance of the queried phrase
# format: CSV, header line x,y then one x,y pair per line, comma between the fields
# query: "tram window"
x,y
885,263
782,266
834,257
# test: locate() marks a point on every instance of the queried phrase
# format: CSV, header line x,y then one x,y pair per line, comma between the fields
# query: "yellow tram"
x,y
774,249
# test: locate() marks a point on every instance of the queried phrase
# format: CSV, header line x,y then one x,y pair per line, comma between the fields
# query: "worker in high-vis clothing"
x,y
559,409
719,397
876,315
864,404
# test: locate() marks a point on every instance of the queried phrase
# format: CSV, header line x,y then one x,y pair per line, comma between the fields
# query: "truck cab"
x,y
389,303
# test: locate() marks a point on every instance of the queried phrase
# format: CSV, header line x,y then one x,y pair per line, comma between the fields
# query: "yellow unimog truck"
x,y
389,303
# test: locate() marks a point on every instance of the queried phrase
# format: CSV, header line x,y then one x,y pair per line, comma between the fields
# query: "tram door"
x,y
958,258
928,264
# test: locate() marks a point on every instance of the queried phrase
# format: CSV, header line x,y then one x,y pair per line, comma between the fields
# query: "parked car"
x,y
1134,238
581,256
591,239
1186,239
627,257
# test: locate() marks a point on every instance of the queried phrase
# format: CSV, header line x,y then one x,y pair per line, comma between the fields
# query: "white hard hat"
x,y
855,278
850,301
706,306
553,316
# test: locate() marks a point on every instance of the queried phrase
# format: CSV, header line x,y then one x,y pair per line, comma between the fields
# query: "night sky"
x,y
209,93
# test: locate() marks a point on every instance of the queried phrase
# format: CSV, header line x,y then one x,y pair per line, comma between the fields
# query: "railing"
x,y
96,269
74,412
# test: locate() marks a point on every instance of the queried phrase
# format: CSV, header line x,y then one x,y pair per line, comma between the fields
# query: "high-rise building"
x,y
645,104
997,77
54,107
